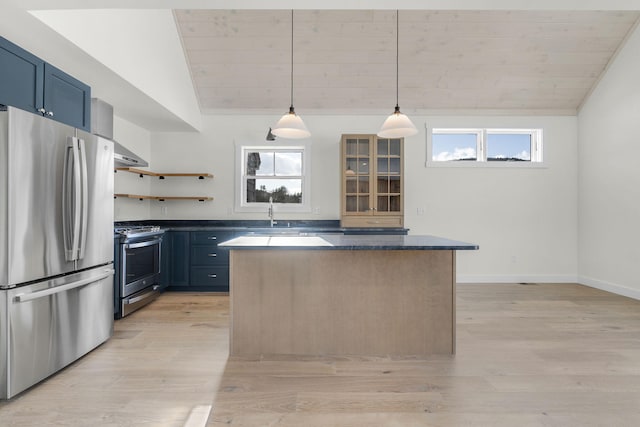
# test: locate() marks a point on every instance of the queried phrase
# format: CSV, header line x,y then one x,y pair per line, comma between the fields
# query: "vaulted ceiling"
x,y
162,63
346,60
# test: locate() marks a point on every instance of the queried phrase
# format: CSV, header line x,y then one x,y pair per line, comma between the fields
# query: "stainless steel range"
x,y
137,264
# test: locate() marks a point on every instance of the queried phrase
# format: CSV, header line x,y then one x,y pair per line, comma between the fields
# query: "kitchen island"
x,y
342,295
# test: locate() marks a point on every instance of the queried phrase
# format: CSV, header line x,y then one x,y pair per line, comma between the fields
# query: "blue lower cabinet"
x,y
213,279
194,262
209,264
209,255
211,237
175,260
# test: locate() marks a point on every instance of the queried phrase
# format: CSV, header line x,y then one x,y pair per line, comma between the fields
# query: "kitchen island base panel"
x,y
342,302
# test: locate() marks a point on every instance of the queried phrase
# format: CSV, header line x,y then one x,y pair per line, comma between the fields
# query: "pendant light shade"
x,y
397,124
291,125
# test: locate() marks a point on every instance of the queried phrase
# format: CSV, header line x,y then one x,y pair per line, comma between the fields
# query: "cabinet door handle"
x,y
212,254
50,113
41,110
213,276
212,238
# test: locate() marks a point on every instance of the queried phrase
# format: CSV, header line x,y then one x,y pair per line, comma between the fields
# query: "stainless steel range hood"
x,y
126,158
102,125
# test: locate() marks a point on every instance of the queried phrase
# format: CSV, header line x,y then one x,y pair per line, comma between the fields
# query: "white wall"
x,y
137,140
142,46
213,151
523,219
609,177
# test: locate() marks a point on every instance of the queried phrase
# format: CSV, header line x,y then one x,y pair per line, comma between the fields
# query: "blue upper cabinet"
x,y
66,99
28,83
21,78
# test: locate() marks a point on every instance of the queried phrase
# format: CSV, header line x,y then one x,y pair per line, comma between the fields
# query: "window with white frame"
x,y
277,172
485,145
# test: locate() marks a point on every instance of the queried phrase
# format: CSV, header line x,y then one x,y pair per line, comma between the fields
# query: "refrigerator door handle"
x,y
57,289
84,206
66,200
71,200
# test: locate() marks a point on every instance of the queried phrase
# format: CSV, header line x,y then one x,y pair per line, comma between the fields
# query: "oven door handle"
x,y
142,244
144,296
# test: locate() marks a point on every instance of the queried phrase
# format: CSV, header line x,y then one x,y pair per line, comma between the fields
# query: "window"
x,y
485,145
277,172
455,144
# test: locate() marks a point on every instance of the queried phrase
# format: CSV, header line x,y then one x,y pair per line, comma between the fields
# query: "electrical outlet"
x,y
229,211
163,211
316,211
420,211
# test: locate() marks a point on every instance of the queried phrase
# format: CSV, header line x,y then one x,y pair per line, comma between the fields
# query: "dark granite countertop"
x,y
346,242
262,227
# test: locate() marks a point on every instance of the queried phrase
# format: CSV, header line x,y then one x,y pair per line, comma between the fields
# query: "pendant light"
x,y
291,125
397,124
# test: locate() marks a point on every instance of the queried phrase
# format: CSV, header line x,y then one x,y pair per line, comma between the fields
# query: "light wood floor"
x,y
527,355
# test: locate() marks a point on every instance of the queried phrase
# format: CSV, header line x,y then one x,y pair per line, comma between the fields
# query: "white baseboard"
x,y
463,278
610,287
587,281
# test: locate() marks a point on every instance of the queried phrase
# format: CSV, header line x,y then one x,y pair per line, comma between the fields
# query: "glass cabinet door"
x,y
372,181
357,175
388,175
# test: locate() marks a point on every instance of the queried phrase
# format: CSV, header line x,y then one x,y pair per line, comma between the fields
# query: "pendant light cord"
x,y
397,56
291,60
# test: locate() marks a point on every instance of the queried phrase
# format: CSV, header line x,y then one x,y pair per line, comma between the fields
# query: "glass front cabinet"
x,y
372,181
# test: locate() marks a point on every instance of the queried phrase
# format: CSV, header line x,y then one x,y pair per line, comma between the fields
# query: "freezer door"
x,y
53,323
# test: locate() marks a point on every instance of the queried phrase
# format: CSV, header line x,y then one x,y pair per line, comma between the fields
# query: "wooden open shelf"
x,y
163,198
160,175
142,173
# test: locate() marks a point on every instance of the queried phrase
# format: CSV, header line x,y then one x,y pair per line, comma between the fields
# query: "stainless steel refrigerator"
x,y
56,247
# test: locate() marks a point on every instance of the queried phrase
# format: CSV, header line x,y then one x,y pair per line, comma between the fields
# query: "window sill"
x,y
496,165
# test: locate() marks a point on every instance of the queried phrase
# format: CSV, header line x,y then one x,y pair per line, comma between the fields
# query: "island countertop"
x,y
346,242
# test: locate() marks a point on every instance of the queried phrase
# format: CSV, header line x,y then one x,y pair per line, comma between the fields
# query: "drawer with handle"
x,y
209,255
210,237
216,278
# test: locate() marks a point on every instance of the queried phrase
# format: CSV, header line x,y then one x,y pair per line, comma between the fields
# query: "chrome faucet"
x,y
270,212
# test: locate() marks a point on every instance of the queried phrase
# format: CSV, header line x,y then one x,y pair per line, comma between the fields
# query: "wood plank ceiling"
x,y
344,61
